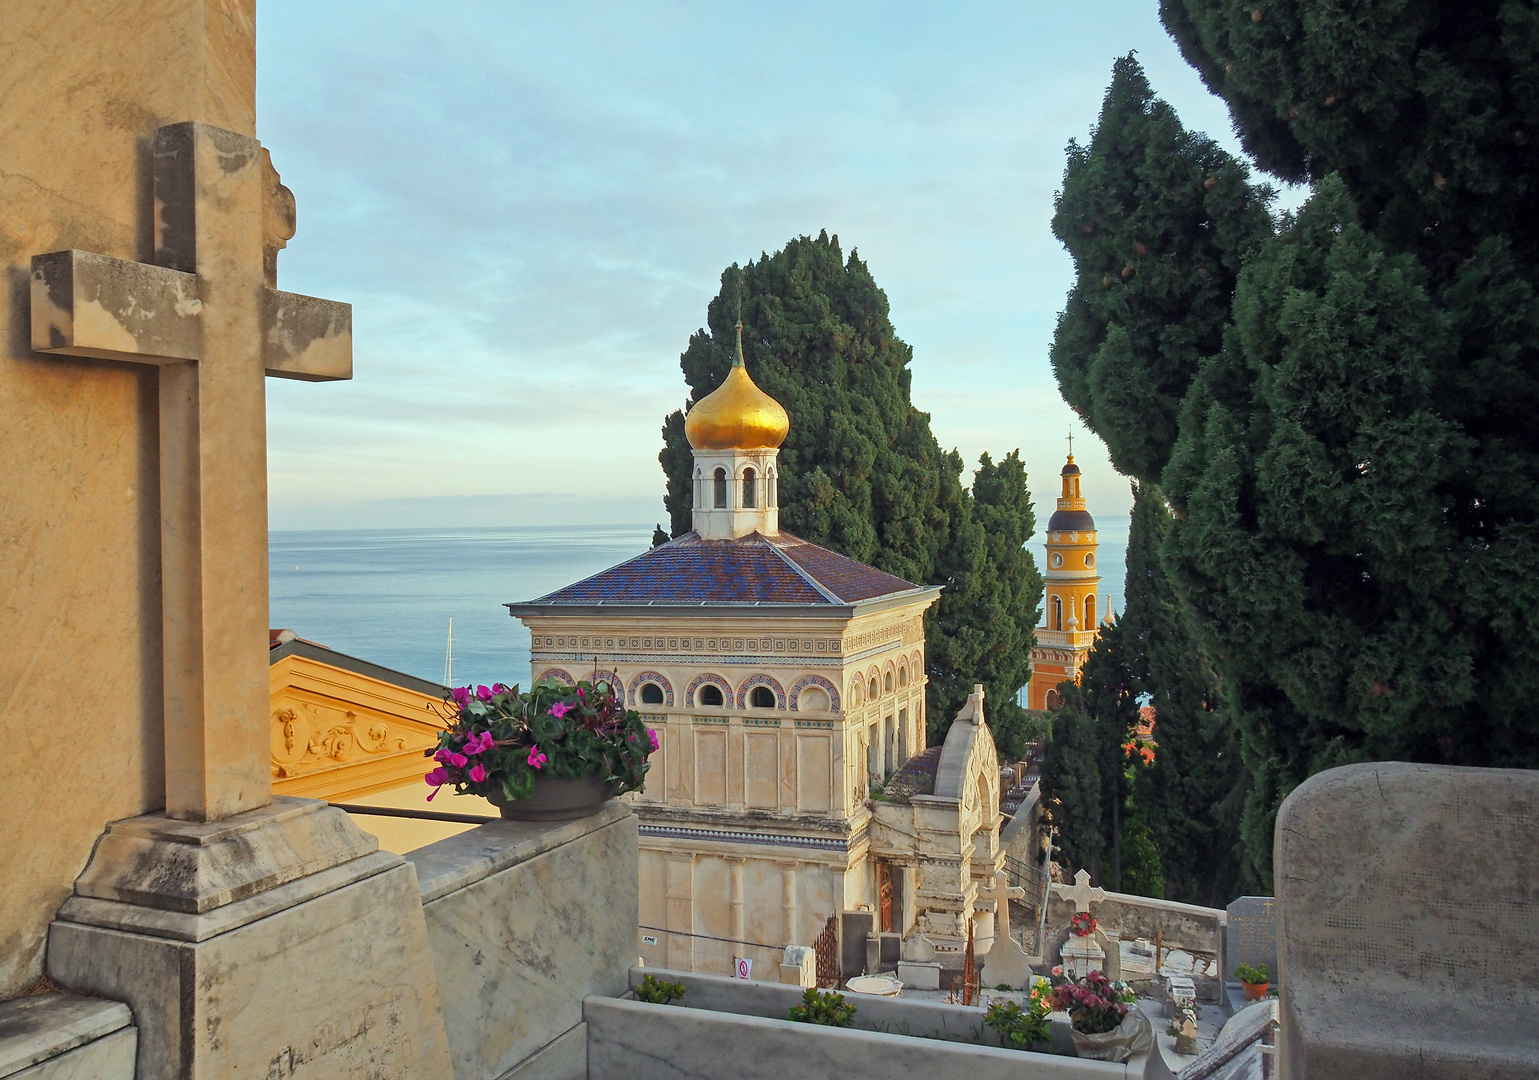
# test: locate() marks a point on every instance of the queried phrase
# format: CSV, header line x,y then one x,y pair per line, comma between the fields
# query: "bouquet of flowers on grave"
x,y
1083,924
500,739
1094,1003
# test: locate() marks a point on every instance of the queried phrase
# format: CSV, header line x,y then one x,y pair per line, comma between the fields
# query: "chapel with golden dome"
x,y
736,431
786,685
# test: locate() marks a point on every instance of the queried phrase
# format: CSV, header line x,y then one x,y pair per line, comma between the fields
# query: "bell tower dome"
x,y
1071,611
736,432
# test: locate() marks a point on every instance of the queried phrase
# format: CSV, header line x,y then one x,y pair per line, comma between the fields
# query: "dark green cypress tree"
x,y
862,474
1191,797
1084,769
1355,475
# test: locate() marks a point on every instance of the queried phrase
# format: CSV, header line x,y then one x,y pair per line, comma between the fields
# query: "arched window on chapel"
x,y
1057,614
721,489
750,482
1089,613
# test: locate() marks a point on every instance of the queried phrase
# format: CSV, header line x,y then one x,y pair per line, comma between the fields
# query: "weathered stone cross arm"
x,y
115,309
208,315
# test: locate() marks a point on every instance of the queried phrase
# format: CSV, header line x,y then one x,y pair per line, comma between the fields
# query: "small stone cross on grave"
x,y
207,313
1082,893
1002,893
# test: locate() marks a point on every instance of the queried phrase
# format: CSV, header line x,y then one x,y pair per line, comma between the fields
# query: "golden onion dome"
x,y
737,415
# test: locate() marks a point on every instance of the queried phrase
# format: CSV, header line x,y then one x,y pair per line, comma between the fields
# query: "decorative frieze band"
x,y
733,836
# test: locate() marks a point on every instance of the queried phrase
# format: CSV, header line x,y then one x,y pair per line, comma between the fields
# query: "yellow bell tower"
x,y
1071,608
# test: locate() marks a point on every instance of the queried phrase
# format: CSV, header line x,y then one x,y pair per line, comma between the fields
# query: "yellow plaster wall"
x,y
83,85
347,737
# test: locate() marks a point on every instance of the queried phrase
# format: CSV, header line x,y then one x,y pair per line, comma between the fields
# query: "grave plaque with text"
x,y
1250,935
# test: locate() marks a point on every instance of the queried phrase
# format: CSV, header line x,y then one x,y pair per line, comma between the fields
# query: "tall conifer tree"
x,y
1354,473
862,474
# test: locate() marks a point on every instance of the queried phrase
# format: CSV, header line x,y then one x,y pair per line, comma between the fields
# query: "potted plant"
x,y
1103,1022
553,753
1254,978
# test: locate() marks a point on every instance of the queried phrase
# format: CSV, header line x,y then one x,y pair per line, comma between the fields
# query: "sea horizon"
x,y
386,595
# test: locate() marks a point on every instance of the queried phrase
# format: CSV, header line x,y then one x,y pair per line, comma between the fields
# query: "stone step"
x,y
66,1037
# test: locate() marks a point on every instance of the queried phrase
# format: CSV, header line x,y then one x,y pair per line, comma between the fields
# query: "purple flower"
x,y
536,759
478,772
484,693
652,735
558,710
461,695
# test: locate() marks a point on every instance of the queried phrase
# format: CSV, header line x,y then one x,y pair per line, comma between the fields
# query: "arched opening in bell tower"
x,y
721,489
750,483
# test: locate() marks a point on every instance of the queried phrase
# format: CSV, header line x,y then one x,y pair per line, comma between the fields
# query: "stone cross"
x,y
1082,893
1003,892
208,315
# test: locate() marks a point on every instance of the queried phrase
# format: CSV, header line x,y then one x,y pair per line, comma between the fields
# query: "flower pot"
x,y
555,798
1255,991
1135,1035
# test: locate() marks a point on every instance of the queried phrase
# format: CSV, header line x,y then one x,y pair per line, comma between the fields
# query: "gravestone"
x,y
246,933
1006,962
1082,955
1396,961
1250,934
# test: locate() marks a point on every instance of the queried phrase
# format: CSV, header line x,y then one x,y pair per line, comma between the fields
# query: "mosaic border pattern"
x,y
724,836
815,680
715,680
761,679
561,675
651,676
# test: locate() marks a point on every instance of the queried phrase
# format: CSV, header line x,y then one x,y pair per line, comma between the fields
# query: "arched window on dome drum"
x,y
699,489
1057,614
1089,613
762,697
750,482
710,695
721,489
770,501
651,694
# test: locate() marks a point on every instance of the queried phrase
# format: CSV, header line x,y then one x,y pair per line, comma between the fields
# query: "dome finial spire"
x,y
738,360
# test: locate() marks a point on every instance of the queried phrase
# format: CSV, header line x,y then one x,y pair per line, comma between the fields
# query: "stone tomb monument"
x,y
249,935
1250,934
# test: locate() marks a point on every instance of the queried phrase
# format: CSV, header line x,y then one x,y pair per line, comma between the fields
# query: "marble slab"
x,y
335,987
1250,934
627,1039
43,1026
109,1058
527,919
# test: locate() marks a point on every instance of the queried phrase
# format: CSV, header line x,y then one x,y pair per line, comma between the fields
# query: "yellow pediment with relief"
x,y
338,734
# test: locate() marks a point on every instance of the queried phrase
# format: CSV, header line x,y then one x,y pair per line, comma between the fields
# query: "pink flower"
x,y
498,687
478,772
484,693
437,778
652,736
536,759
580,694
558,710
457,760
461,695
480,744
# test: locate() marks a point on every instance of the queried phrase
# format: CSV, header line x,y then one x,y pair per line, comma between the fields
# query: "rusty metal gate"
x,y
826,949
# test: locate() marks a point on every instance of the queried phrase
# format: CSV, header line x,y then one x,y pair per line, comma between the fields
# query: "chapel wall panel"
x,y
814,772
762,787
710,767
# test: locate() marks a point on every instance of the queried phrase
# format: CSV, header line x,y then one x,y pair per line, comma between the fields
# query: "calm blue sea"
x,y
387,595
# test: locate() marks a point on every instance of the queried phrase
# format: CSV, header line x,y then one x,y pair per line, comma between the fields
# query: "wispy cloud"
x,y
530,205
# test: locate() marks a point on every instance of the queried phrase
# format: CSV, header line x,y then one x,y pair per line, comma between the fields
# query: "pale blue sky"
x,y
529,207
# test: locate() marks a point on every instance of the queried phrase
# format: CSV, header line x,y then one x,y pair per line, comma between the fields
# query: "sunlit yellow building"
x,y
1071,610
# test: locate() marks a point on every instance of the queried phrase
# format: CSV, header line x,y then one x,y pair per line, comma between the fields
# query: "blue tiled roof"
x,y
754,569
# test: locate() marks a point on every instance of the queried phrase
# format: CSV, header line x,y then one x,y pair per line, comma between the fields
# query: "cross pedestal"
x,y
248,934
